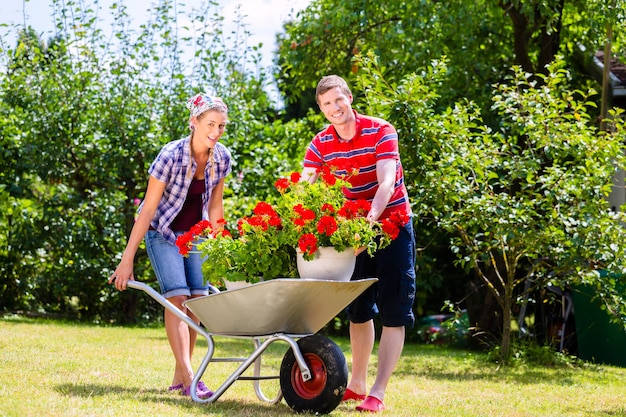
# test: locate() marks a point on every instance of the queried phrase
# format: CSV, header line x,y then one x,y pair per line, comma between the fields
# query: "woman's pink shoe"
x,y
179,387
203,392
176,387
203,387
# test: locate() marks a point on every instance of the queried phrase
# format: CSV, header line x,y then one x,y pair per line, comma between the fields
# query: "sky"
x,y
263,17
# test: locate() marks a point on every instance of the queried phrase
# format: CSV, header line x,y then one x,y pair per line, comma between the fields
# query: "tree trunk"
x,y
484,310
548,40
521,38
505,347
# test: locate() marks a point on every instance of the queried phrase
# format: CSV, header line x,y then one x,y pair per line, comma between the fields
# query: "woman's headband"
x,y
202,102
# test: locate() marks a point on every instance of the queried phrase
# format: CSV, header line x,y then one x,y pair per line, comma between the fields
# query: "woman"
x,y
186,185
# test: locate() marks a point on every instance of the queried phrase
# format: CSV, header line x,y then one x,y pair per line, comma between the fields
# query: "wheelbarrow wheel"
x,y
329,376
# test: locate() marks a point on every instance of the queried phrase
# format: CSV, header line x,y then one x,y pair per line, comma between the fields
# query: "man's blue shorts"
x,y
394,293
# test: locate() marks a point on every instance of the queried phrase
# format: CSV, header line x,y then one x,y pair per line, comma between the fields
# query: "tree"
x,y
526,201
405,36
481,40
83,117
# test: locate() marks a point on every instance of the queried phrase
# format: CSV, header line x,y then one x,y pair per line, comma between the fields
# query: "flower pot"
x,y
235,285
328,264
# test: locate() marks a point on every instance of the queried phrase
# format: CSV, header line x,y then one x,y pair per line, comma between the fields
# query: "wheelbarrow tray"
x,y
286,305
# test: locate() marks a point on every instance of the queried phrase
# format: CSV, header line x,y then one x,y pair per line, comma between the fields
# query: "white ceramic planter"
x,y
328,264
235,285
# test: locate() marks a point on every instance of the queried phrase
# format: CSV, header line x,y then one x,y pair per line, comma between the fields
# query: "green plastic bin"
x,y
599,340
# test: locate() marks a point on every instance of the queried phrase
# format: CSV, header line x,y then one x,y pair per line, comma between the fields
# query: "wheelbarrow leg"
x,y
247,363
192,324
258,378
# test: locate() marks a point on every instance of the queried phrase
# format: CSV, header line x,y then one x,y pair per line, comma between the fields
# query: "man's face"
x,y
336,106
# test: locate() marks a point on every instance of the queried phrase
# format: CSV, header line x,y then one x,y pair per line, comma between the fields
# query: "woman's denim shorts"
x,y
177,275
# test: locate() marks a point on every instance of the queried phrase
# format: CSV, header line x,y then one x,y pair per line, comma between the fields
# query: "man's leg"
x,y
389,351
362,342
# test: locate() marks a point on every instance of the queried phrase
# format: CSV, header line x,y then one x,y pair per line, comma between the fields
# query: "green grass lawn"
x,y
49,368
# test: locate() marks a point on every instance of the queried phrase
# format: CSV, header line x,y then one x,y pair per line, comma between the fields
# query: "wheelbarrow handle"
x,y
168,305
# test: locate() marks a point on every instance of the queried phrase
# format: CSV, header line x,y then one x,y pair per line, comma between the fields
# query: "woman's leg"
x,y
197,288
169,267
178,335
193,335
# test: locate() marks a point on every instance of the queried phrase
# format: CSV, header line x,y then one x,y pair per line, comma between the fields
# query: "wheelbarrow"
x,y
313,373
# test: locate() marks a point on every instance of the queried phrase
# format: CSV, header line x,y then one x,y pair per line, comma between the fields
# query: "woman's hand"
x,y
123,273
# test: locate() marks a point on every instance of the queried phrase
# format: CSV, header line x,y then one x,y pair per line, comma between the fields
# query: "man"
x,y
365,149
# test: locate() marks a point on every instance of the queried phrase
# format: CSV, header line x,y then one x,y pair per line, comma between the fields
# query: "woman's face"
x,y
209,127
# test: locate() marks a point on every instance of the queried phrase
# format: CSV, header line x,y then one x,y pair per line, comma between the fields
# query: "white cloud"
x,y
264,18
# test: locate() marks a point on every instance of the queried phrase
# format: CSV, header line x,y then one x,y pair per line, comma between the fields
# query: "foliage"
x,y
81,118
481,39
304,217
405,36
524,353
527,201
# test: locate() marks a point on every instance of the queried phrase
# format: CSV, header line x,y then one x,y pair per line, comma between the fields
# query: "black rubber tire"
x,y
329,371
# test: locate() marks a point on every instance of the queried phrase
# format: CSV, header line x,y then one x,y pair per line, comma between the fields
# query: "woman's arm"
x,y
216,205
124,271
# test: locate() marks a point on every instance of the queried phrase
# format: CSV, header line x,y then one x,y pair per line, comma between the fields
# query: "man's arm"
x,y
309,174
386,176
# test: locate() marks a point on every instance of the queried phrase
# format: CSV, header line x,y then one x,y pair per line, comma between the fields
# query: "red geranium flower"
x,y
327,226
281,185
390,229
304,213
184,243
327,175
308,244
399,217
295,177
200,228
355,208
328,208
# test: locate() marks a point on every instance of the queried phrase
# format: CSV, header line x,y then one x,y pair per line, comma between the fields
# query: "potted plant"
x,y
297,222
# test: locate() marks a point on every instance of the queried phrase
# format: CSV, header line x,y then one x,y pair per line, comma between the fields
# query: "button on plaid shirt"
x,y
175,167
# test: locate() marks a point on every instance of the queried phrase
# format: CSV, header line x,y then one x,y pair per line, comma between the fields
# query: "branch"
x,y
352,42
499,296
